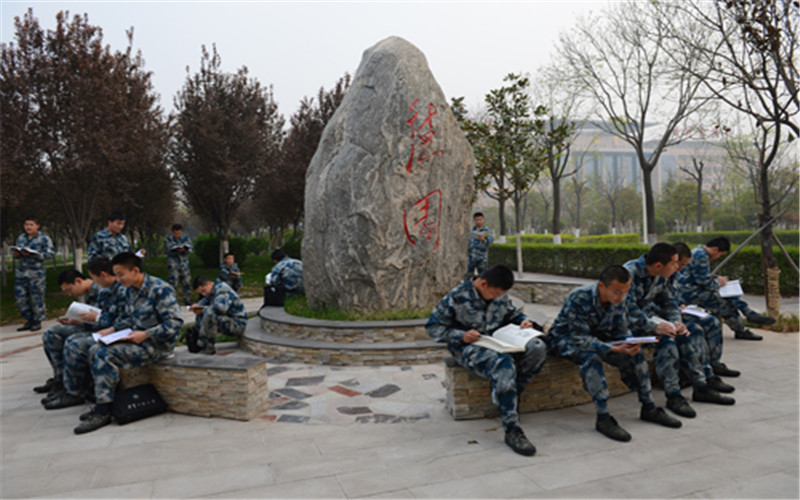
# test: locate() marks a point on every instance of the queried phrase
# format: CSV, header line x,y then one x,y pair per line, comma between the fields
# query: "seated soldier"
x,y
593,316
86,291
699,287
481,306
229,272
220,311
287,274
154,316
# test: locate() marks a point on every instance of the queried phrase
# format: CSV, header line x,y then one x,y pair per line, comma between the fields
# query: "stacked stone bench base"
x,y
233,386
558,385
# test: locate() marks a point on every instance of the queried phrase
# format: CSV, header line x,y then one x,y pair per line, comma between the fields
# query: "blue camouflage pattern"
x,y
55,337
223,313
580,334
30,277
699,287
178,264
463,309
288,275
226,275
478,251
105,244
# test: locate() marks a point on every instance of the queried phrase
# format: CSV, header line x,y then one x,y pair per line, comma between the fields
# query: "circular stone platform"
x,y
342,343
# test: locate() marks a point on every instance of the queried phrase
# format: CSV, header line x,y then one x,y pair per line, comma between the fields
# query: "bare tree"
x,y
621,63
696,173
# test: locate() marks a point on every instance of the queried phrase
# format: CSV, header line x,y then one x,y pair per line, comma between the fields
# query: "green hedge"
x,y
569,238
206,246
787,237
587,261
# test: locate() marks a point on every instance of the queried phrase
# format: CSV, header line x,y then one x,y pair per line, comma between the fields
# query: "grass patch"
x,y
56,301
298,306
786,323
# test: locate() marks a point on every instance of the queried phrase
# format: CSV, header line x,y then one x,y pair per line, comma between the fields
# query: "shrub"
x,y
206,246
787,237
257,244
729,222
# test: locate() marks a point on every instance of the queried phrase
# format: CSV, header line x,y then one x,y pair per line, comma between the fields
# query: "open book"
x,y
635,340
25,249
731,289
77,308
693,310
112,337
510,338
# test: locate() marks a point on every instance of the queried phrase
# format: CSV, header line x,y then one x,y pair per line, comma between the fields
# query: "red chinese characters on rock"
x,y
425,217
422,148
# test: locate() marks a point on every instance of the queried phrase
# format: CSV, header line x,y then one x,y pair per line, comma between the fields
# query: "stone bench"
x,y
558,385
229,385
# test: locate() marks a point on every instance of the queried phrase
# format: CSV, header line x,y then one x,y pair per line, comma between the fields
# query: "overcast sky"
x,y
298,47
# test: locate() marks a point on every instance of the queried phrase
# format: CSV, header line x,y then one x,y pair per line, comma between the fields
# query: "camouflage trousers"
x,y
711,330
632,369
508,373
77,365
29,296
210,325
727,309
179,273
477,264
672,354
53,341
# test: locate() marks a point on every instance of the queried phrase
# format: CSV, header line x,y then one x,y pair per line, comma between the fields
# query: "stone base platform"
x,y
284,337
558,385
231,384
545,289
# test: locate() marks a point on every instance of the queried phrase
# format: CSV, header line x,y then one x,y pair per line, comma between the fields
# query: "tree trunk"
x,y
700,201
3,270
556,210
224,244
650,207
519,237
77,256
502,213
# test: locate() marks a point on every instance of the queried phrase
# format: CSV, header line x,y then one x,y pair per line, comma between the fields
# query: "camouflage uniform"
x,y
464,309
708,344
77,376
288,274
225,276
30,277
652,296
152,308
178,264
697,286
580,332
223,313
478,251
56,336
105,244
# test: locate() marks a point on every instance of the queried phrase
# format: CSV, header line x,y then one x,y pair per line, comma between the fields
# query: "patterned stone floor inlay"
x,y
370,395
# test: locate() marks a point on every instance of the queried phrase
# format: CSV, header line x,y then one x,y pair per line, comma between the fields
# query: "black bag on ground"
x,y
273,296
136,403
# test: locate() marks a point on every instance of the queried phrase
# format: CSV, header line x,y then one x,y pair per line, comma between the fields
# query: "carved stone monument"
x,y
388,192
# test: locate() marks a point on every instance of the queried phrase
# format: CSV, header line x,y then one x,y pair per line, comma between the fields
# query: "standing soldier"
x,y
110,241
31,250
178,247
479,241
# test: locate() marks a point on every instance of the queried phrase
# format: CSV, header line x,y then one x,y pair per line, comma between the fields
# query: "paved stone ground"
x,y
358,432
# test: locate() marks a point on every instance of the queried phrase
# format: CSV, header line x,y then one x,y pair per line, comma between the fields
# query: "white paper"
x,y
635,340
112,337
694,310
77,308
510,338
731,289
25,249
140,254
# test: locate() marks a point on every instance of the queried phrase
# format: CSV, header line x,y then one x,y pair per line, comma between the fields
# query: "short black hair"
x,y
115,216
660,253
177,227
721,243
34,219
228,253
200,281
129,260
614,273
278,254
477,214
69,276
683,250
100,264
499,276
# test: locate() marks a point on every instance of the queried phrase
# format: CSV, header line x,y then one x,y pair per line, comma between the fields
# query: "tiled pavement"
x,y
383,433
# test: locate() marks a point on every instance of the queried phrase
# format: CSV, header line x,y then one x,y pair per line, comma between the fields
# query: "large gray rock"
x,y
388,191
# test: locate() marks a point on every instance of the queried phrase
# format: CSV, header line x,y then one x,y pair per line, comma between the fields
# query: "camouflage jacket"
x,y
288,273
649,296
105,244
479,250
223,301
32,266
696,277
154,309
173,244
